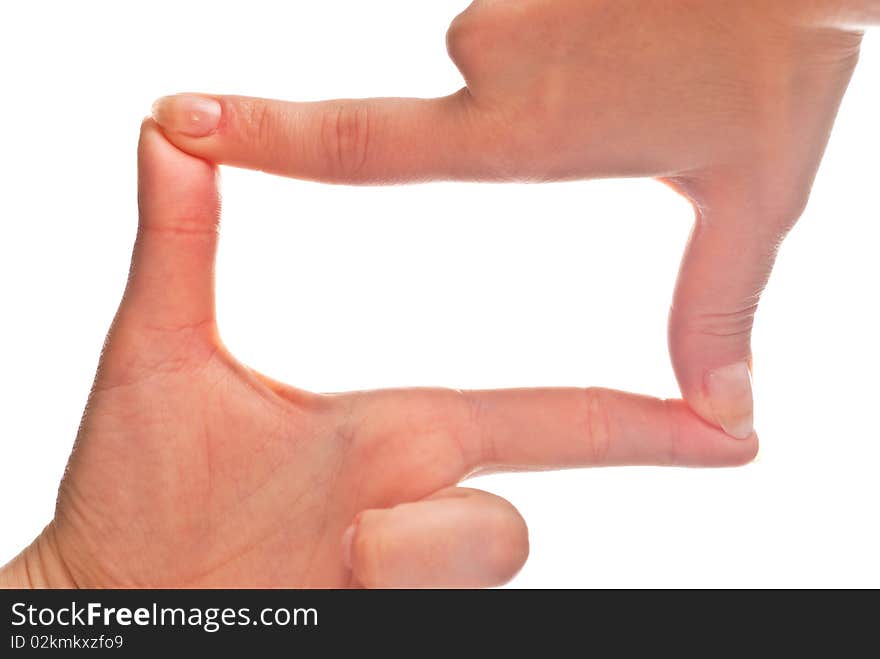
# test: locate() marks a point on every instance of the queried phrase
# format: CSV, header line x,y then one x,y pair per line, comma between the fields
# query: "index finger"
x,y
534,429
358,141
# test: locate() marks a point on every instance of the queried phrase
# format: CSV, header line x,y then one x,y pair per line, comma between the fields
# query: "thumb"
x,y
344,141
458,537
171,283
728,260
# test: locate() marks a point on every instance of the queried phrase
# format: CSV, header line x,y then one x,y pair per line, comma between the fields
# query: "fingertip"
x,y
729,390
154,143
148,128
508,536
699,443
750,453
150,131
191,115
175,188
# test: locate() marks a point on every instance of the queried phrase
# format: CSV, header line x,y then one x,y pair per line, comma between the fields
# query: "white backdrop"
x,y
464,285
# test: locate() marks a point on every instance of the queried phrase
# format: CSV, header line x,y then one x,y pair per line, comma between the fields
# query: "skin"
x,y
190,469
729,103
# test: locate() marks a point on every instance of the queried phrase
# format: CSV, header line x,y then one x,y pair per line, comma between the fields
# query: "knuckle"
x,y
463,38
474,33
790,207
197,222
596,426
727,324
780,198
481,450
255,123
345,137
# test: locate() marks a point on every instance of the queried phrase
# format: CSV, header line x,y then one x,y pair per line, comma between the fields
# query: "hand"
x,y
190,469
730,103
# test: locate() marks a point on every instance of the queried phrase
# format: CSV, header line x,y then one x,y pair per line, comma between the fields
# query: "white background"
x,y
335,288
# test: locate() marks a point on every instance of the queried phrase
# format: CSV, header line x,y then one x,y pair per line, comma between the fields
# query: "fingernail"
x,y
188,114
348,541
730,395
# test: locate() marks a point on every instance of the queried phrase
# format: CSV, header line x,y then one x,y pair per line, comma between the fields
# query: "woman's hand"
x,y
190,469
730,103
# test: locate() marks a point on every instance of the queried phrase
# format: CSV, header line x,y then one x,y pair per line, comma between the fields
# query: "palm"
x,y
191,469
247,471
220,451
